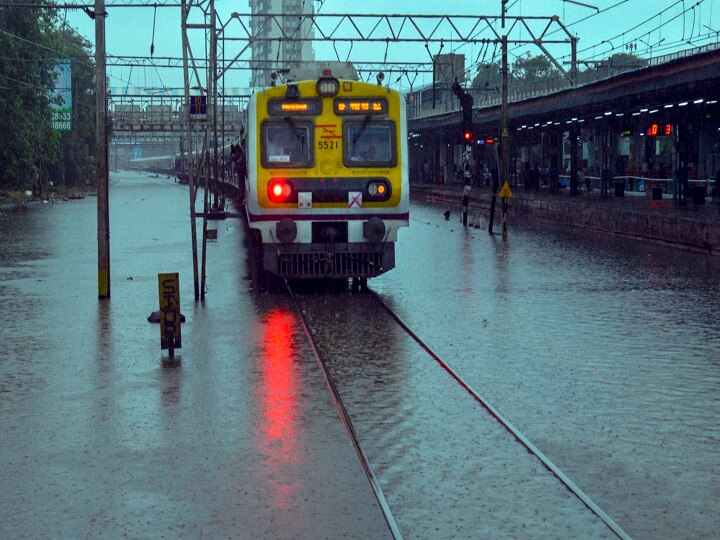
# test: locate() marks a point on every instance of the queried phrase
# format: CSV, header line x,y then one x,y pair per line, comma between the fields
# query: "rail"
x,y
522,439
382,502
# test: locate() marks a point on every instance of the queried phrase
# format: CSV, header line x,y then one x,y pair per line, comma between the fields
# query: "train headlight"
x,y
279,190
286,230
328,86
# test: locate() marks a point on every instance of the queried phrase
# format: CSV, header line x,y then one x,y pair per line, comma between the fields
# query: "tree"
x,y
533,73
30,43
620,63
486,84
77,165
23,98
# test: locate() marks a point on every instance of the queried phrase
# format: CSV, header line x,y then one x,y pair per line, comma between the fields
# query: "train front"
x,y
327,177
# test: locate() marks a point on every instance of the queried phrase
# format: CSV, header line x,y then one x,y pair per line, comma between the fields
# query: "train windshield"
x,y
286,143
369,143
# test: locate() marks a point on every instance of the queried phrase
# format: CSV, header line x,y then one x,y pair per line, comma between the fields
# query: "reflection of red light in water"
x,y
277,399
277,370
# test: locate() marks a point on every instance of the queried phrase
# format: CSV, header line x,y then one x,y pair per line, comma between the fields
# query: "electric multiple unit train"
x,y
327,177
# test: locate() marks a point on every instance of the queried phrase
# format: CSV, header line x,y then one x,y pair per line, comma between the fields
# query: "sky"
x,y
665,25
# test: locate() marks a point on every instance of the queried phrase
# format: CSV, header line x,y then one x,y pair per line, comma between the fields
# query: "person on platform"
x,y
535,177
583,179
553,178
606,178
526,174
426,171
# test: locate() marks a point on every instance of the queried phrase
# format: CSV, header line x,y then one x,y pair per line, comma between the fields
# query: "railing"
x,y
640,184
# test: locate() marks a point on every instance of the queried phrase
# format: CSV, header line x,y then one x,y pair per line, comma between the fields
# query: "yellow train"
x,y
327,177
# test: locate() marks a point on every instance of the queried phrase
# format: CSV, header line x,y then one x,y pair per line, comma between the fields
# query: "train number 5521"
x,y
328,145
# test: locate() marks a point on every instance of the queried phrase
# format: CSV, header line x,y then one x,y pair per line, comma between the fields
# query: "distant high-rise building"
x,y
280,54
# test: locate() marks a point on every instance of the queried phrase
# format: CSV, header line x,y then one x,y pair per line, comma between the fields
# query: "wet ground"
x,y
447,468
240,441
603,351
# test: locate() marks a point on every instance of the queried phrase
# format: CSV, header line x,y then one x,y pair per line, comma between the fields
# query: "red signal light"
x,y
279,190
468,136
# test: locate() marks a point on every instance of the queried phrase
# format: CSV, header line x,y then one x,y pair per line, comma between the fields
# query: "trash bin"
x,y
620,189
656,193
698,194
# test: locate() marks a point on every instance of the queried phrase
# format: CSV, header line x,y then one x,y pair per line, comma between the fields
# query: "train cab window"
x,y
286,143
369,143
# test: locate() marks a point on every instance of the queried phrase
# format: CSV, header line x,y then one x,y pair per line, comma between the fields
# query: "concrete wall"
x,y
692,232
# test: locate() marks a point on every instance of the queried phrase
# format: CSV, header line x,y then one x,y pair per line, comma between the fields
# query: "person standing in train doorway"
x,y
237,158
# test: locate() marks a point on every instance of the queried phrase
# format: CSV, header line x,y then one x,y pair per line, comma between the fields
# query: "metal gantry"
x,y
204,74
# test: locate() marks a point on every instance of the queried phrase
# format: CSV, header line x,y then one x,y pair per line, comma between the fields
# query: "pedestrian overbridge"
x,y
165,110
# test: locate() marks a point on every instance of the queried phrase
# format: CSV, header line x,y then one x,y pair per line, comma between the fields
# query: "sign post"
x,y
504,195
169,294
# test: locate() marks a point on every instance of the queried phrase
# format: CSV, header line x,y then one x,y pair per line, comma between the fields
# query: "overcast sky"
x,y
667,25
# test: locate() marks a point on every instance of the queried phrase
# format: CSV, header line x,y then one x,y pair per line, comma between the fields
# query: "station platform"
x,y
694,226
100,439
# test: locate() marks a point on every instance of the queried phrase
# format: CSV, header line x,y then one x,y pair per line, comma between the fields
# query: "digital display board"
x,y
294,107
361,105
659,130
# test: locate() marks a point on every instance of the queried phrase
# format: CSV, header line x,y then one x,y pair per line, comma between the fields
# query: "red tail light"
x,y
279,190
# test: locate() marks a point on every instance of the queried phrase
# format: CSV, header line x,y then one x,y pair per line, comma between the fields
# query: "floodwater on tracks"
x,y
601,349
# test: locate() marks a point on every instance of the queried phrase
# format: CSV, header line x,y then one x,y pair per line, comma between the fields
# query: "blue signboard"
x,y
61,96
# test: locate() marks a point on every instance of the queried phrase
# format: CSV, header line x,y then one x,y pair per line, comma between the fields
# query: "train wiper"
x,y
296,131
365,123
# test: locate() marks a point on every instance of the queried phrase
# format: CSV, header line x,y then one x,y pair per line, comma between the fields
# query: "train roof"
x,y
312,71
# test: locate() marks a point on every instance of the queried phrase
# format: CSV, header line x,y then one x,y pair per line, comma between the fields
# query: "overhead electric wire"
x,y
64,55
476,65
622,34
683,40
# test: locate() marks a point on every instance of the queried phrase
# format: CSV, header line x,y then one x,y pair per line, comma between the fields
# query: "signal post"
x,y
466,101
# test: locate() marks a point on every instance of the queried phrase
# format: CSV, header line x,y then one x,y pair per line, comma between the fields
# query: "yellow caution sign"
x,y
505,192
169,289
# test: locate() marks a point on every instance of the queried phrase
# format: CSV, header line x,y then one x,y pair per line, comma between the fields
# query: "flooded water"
x,y
241,440
447,468
602,350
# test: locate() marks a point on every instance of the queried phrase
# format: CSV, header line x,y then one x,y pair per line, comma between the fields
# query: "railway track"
x,y
497,417
377,490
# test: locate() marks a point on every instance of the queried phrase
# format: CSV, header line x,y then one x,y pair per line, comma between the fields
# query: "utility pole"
x,y
103,210
210,133
574,131
214,96
190,169
466,103
504,139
